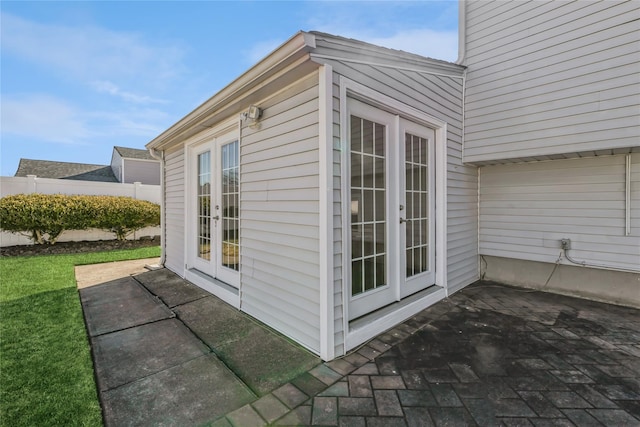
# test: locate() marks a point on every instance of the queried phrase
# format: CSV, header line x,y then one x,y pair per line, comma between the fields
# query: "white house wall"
x,y
146,171
525,209
116,165
279,220
440,97
549,77
174,194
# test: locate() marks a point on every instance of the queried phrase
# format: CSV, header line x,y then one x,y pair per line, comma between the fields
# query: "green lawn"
x,y
46,373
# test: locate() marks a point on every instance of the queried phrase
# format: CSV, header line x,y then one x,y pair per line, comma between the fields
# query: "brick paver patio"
x,y
489,355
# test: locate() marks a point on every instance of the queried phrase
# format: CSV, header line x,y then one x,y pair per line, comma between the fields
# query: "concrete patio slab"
x,y
125,356
170,288
215,321
120,304
192,393
265,361
262,358
95,274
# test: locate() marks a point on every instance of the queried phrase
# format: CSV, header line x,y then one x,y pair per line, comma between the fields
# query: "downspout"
x,y
240,119
462,32
627,195
159,155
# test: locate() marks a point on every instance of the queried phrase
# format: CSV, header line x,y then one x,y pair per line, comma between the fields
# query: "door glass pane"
x,y
204,206
229,213
367,144
416,199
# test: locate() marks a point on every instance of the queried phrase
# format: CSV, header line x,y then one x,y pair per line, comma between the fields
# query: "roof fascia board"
x,y
300,43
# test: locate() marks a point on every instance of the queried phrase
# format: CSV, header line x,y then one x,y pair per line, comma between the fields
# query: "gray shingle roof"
x,y
133,153
65,170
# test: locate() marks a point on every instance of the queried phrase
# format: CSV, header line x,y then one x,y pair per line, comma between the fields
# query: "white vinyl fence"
x,y
32,184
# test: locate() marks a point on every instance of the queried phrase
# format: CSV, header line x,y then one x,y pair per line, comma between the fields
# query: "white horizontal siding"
x,y
174,210
116,165
144,171
279,214
525,209
549,77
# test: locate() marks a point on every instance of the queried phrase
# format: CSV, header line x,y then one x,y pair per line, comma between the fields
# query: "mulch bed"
x,y
78,247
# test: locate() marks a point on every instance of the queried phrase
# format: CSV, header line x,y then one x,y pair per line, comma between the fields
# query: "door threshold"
x,y
222,290
370,325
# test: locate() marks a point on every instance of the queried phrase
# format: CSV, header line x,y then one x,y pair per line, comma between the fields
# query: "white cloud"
x,y
48,119
90,53
433,44
144,123
108,62
105,86
44,118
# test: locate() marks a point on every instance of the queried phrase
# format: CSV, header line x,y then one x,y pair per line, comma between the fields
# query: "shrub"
x,y
43,217
124,215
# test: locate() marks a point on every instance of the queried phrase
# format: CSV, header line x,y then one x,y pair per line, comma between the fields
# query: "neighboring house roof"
x,y
133,153
65,170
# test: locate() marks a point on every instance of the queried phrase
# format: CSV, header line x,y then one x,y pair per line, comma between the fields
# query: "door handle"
x,y
217,217
404,220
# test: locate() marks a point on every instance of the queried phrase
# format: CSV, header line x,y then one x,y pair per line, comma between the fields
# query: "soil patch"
x,y
78,247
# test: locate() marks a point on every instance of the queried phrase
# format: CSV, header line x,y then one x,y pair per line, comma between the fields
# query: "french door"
x,y
391,192
213,245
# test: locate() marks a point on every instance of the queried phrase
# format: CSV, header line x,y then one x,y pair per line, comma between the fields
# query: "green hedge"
x,y
43,217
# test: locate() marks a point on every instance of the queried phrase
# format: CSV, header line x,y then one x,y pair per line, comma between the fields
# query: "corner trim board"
x,y
325,146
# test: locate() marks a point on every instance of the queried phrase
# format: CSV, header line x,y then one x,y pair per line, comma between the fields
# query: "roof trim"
x,y
396,58
457,75
298,45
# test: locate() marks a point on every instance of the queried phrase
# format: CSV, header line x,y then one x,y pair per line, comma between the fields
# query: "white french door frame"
x,y
210,275
361,304
414,283
350,89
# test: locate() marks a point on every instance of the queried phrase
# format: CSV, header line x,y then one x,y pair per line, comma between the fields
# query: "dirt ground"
x,y
77,247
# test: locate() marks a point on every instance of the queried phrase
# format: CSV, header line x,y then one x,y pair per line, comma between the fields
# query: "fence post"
x,y
136,189
31,184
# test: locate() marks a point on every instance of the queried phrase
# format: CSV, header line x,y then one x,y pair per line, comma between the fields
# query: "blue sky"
x,y
79,77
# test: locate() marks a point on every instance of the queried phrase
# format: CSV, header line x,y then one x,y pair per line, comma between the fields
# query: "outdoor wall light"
x,y
253,113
